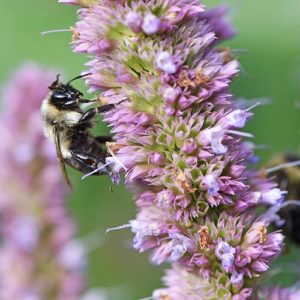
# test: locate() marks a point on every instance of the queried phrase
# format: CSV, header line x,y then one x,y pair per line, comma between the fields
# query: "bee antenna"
x,y
55,83
78,77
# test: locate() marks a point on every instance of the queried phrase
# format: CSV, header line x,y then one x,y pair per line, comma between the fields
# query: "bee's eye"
x,y
65,96
64,99
60,96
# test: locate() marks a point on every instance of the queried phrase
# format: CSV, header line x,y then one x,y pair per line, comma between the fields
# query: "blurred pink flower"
x,y
35,225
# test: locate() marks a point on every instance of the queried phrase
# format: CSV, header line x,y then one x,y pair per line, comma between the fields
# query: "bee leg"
x,y
91,113
86,163
102,139
81,100
90,166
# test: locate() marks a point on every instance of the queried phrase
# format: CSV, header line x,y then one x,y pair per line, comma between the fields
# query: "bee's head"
x,y
64,96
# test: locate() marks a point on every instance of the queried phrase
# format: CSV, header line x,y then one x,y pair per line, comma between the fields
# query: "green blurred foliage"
x,y
268,31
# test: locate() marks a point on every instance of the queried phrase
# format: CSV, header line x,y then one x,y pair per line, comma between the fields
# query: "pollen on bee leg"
x,y
204,238
112,99
262,232
103,100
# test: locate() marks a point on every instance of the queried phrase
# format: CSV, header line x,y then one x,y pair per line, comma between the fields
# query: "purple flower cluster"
x,y
37,232
178,140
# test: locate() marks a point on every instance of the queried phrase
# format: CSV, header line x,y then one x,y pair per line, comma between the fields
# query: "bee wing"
x,y
59,156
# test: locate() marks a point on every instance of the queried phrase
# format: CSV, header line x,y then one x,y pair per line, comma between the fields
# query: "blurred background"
x,y
268,44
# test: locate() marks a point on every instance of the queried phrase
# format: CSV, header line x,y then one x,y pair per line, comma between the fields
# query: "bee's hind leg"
x,y
87,164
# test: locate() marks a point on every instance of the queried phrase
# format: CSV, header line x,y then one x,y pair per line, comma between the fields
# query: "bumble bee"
x,y
289,179
68,126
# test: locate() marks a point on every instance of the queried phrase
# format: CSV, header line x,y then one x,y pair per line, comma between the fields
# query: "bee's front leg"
x,y
91,113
